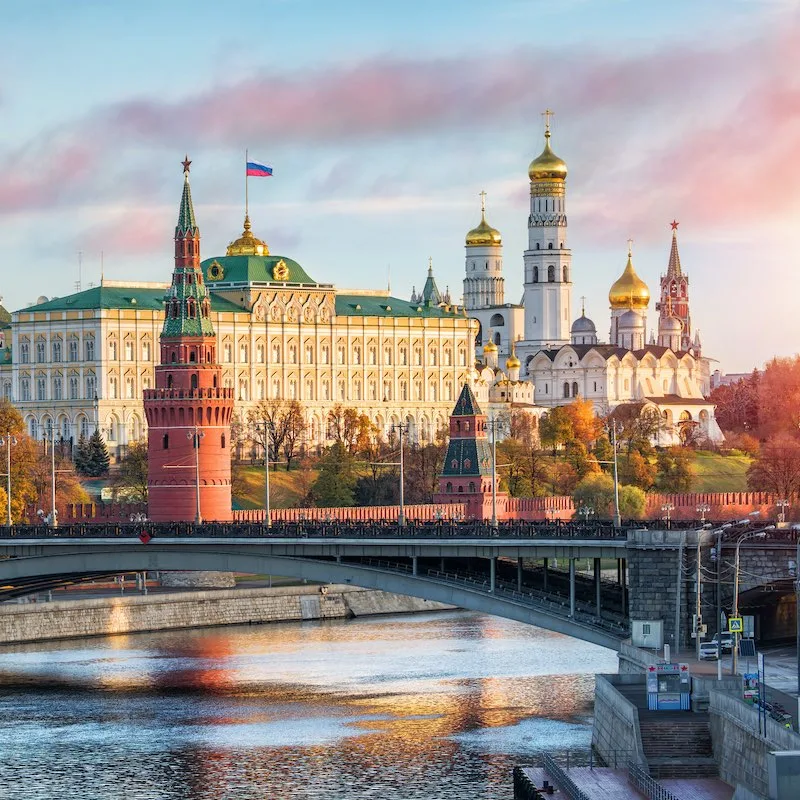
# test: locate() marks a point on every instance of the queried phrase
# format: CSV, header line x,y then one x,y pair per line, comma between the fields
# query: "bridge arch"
x,y
138,558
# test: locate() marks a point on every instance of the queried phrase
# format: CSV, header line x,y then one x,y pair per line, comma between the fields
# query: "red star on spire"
x,y
674,225
186,163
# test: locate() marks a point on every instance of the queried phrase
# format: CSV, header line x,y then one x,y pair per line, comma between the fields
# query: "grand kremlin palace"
x,y
83,360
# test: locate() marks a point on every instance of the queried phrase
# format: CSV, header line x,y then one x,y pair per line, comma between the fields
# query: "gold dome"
x,y
629,290
490,347
484,235
247,244
512,362
548,166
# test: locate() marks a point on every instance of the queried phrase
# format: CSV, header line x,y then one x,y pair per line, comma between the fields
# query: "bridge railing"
x,y
315,529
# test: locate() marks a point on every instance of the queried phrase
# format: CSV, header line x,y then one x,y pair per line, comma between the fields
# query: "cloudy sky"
x,y
384,120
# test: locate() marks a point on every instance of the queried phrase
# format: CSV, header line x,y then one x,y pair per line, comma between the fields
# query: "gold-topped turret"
x,y
512,362
547,166
247,244
484,235
629,290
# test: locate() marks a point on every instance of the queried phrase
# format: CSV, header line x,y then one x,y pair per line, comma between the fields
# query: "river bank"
x,y
106,616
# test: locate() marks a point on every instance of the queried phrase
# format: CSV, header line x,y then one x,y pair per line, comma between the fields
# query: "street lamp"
x,y
8,441
493,422
667,509
585,512
268,429
195,435
782,506
617,518
401,428
742,538
702,510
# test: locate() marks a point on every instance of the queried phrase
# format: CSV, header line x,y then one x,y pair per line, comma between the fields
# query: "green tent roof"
x,y
254,269
358,305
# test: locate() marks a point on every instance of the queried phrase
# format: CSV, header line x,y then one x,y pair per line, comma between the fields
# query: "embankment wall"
x,y
68,619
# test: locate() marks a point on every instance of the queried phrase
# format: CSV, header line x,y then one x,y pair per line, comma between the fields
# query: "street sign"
x,y
735,624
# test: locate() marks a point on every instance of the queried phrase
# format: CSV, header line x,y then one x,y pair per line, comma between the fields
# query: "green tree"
x,y
632,502
596,491
555,428
674,470
130,481
97,458
604,453
81,454
337,477
514,467
577,456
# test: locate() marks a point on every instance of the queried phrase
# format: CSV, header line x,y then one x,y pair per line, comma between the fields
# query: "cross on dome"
x,y
630,247
547,113
483,201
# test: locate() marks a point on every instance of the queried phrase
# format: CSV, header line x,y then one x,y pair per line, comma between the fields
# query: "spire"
x,y
187,224
430,292
674,267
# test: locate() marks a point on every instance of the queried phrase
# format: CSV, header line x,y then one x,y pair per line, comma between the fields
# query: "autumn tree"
x,y
348,426
636,425
513,467
779,397
777,468
595,491
635,470
604,453
586,425
737,404
579,458
423,465
130,480
632,502
277,424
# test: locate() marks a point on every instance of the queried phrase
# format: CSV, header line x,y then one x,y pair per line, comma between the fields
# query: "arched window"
x,y
472,487
566,274
497,321
566,389
169,381
549,245
222,441
574,389
537,245
194,380
536,272
449,488
551,274
165,441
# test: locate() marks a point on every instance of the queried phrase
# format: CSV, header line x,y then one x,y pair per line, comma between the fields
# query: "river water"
x,y
413,707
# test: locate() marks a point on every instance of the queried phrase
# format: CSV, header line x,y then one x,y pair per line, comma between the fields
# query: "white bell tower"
x,y
548,260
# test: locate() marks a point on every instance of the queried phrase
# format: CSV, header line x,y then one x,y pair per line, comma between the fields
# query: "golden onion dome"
x,y
484,235
512,362
629,290
490,347
548,166
247,244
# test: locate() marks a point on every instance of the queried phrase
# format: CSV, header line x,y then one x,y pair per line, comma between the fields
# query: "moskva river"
x,y
415,707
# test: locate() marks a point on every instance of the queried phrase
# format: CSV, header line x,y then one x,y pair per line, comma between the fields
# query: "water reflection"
x,y
435,705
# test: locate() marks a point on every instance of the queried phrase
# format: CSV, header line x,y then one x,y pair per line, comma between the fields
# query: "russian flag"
x,y
258,170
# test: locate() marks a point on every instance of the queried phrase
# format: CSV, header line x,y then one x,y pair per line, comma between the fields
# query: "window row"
x,y
56,352
57,389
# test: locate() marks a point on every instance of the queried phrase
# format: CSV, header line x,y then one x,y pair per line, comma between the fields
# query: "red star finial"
x,y
186,164
674,225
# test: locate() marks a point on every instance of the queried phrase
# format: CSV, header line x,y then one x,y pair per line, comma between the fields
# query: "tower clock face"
x,y
215,271
280,271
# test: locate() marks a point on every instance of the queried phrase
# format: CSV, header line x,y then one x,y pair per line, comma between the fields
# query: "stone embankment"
x,y
107,616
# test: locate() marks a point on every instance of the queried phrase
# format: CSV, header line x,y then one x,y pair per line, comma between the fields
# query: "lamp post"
x,y
401,428
585,512
667,509
617,518
493,428
267,437
782,506
742,538
53,511
702,510
8,441
195,436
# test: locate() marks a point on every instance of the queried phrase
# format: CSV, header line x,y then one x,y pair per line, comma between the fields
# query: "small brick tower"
x,y
188,412
467,473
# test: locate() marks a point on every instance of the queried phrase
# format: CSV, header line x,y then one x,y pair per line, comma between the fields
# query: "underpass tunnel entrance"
x,y
773,608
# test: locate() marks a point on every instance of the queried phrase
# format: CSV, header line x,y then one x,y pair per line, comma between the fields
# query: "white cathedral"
x,y
548,361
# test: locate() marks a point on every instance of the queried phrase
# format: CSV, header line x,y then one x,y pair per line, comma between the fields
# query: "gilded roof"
x,y
255,269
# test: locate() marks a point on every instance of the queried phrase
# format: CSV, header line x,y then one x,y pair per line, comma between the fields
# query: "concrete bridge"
x,y
550,575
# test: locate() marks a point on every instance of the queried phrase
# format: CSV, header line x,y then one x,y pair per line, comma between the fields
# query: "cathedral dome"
x,y
671,325
247,244
547,166
484,235
630,319
490,347
629,290
583,325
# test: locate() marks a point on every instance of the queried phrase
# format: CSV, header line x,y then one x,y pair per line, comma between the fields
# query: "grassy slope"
x,y
285,488
716,473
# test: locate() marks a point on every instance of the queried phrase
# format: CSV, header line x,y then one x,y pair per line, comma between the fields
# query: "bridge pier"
x,y
414,565
572,587
492,574
544,574
519,574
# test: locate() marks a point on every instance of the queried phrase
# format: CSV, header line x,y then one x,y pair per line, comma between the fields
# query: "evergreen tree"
x,y
336,480
97,456
81,455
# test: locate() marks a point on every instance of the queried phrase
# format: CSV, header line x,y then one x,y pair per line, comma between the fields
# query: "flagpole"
x,y
246,195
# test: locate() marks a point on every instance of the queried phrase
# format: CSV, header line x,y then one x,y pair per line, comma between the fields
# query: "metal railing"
x,y
651,788
562,780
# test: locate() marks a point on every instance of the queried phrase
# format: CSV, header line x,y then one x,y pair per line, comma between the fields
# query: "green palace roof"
x,y
147,299
254,269
359,305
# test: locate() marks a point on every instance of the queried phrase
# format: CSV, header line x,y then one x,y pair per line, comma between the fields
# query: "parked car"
x,y
708,651
726,643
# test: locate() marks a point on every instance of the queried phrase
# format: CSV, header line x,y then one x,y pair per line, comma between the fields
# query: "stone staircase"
x,y
677,745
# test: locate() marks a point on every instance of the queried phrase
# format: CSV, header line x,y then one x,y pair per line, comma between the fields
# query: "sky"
x,y
384,121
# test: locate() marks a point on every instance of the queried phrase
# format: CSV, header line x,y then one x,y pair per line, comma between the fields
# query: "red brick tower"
x,y
467,473
188,412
